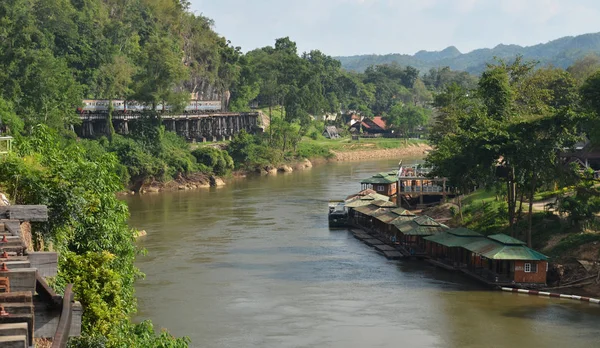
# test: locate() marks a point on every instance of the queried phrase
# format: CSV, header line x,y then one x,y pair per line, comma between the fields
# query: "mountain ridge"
x,y
561,52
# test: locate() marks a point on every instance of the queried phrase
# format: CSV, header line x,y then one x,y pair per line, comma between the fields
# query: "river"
x,y
253,264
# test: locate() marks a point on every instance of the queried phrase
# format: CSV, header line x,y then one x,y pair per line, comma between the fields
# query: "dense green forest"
x,y
560,53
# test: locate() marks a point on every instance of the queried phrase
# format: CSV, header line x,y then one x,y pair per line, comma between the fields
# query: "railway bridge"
x,y
194,127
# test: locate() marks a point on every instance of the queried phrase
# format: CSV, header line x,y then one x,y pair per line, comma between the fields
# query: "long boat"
x,y
338,215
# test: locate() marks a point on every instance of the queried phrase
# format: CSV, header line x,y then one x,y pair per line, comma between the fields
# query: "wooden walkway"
x,y
29,308
381,245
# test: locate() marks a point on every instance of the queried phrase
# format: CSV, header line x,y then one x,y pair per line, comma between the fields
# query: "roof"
x,y
398,214
497,251
451,240
331,131
361,193
402,212
378,120
366,200
464,232
368,195
371,210
507,240
381,178
420,226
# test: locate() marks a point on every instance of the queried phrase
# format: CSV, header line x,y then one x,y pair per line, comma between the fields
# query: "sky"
x,y
351,27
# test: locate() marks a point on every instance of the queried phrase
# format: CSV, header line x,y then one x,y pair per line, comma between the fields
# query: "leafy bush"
x,y
310,150
218,161
87,225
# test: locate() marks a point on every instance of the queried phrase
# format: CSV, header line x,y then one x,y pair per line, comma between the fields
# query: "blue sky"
x,y
349,27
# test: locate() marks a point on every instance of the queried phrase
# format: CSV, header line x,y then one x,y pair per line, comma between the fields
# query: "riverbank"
x,y
359,153
366,153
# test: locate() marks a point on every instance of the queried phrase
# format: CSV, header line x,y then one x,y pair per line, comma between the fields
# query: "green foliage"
x,y
87,225
311,150
216,160
572,242
585,203
406,118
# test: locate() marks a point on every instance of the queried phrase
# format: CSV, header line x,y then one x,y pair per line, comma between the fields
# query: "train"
x,y
100,106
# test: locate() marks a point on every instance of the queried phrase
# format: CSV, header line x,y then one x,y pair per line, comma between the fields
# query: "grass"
x,y
346,144
486,215
276,112
572,242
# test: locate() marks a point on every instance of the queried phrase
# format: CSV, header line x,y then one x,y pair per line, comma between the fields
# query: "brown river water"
x,y
254,264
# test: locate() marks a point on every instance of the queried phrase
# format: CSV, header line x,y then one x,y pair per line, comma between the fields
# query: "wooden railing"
x,y
64,324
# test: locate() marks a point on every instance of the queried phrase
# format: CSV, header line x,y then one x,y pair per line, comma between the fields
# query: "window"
x,y
380,188
531,268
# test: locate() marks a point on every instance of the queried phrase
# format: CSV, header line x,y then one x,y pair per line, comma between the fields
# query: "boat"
x,y
338,215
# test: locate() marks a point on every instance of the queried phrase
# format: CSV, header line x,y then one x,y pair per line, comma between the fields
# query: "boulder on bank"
x,y
304,164
216,182
271,170
285,169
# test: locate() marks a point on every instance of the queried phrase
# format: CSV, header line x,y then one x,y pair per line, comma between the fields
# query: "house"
x,y
383,183
354,123
383,223
410,233
502,260
446,249
585,154
374,126
331,132
363,216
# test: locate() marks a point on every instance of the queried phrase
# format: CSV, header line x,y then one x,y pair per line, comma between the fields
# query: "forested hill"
x,y
561,53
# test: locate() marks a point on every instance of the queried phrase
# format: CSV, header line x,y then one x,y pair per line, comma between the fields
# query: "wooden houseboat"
x,y
363,216
383,183
417,189
410,233
502,260
446,249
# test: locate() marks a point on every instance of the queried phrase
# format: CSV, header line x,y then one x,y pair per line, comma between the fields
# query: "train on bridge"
x,y
100,106
200,120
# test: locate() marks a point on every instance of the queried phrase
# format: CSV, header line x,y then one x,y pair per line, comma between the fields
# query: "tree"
x,y
114,81
161,71
406,118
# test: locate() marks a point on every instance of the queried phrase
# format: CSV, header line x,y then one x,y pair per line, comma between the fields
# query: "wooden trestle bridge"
x,y
199,127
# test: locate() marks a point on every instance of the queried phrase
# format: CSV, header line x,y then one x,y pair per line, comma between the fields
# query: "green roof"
x,y
381,178
497,251
425,220
365,200
507,240
421,226
378,207
464,232
451,240
387,217
402,212
394,214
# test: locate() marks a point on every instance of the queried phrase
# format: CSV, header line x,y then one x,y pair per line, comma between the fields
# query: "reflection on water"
x,y
254,264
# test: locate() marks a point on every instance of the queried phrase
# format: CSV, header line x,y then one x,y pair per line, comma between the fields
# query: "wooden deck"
x,y
29,307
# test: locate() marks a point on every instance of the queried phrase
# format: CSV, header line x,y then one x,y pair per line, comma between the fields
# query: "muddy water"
x,y
254,264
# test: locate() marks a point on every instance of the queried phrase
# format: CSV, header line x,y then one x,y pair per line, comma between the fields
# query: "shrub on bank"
x,y
215,160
